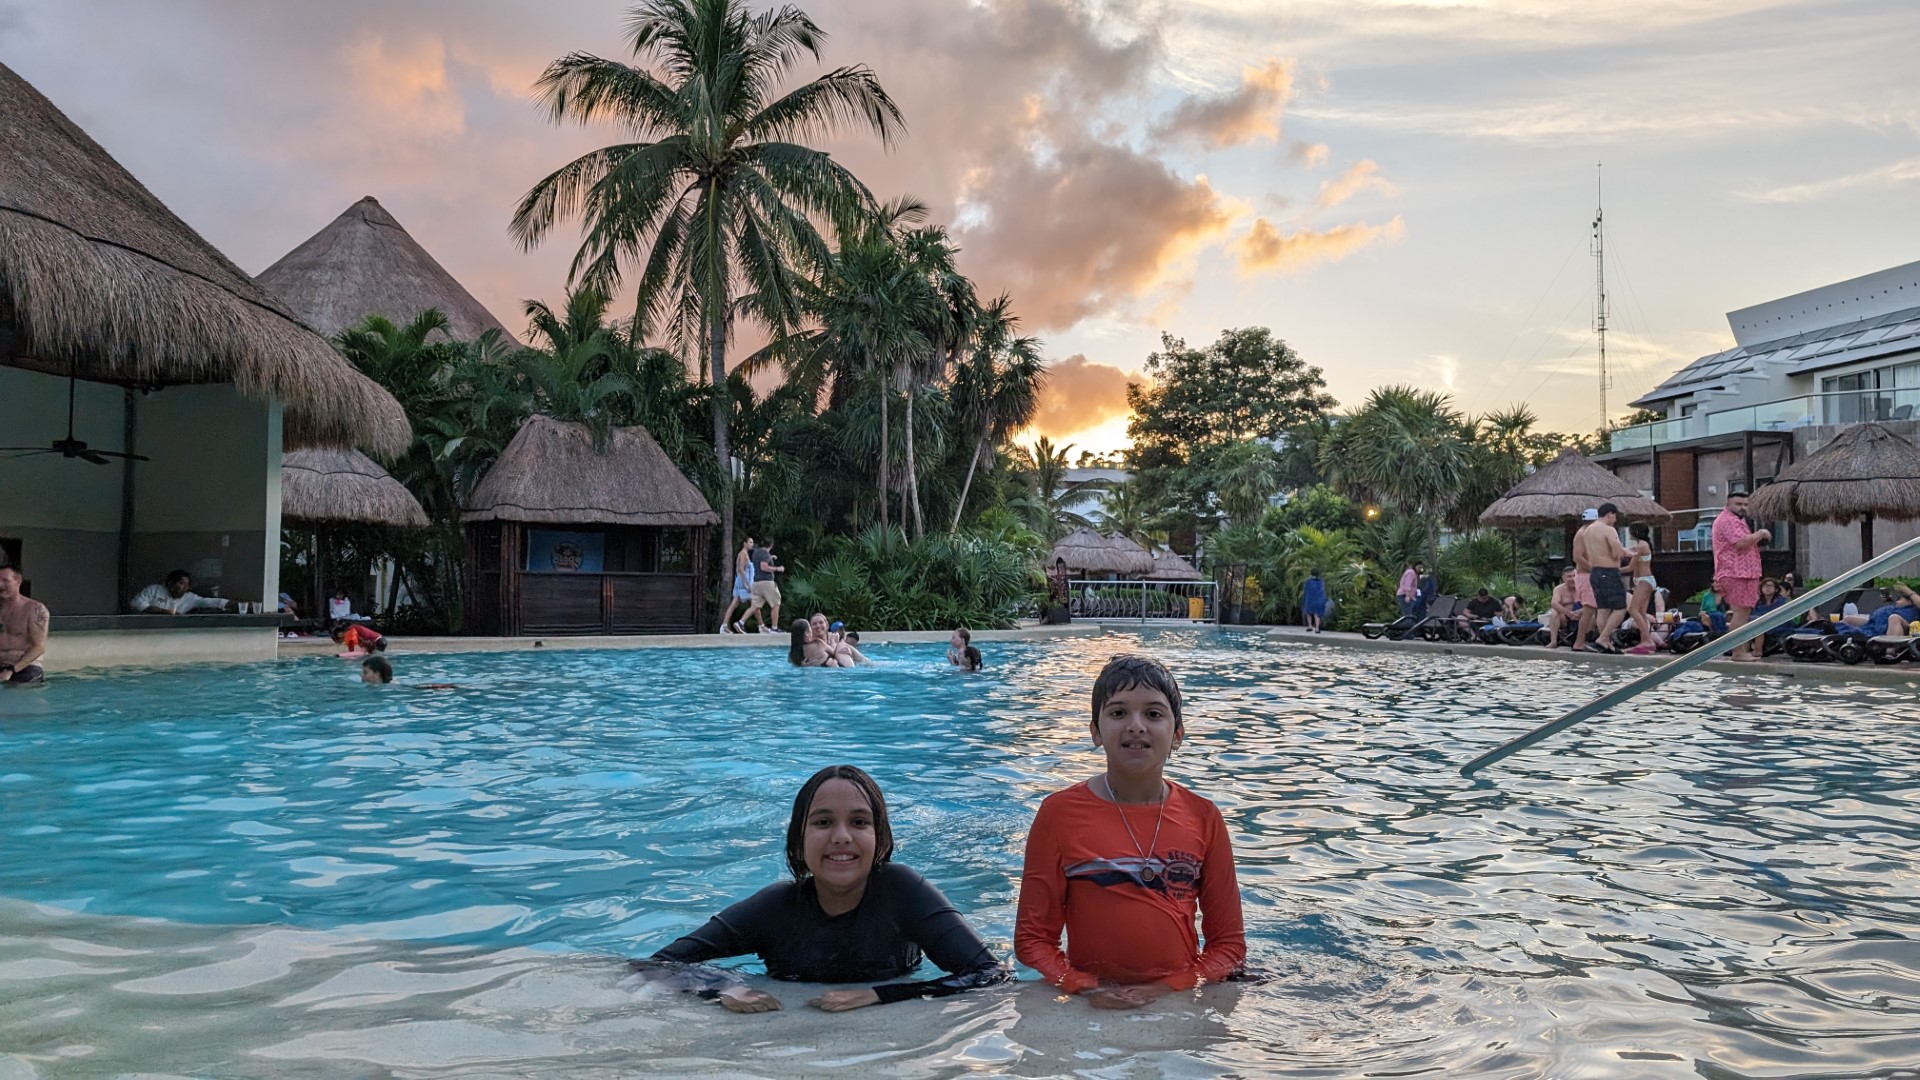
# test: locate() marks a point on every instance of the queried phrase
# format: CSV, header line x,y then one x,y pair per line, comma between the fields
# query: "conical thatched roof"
x,y
1867,469
99,278
550,473
343,485
1558,493
1084,549
1168,566
365,263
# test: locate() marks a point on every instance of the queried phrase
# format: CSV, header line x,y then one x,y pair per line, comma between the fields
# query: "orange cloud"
x,y
1312,155
1364,176
1266,248
1079,394
1249,112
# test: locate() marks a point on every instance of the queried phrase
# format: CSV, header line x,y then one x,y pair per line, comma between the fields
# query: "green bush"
x,y
879,580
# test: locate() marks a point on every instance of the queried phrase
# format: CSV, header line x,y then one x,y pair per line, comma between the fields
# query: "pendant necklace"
x,y
1146,857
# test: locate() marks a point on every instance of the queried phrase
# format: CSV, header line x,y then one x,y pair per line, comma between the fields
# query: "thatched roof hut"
x,y
364,263
1086,550
344,486
550,473
1867,471
1168,566
1560,492
100,280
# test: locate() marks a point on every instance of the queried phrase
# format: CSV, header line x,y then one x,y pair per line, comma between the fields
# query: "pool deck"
x,y
1868,673
319,646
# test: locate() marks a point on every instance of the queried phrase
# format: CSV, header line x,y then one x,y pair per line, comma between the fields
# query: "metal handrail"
x,y
1780,616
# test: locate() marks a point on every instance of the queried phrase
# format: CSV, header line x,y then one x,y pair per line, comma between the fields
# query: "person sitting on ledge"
x,y
176,597
23,633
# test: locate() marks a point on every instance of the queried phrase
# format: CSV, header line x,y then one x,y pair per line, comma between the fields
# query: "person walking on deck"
x,y
1736,566
742,586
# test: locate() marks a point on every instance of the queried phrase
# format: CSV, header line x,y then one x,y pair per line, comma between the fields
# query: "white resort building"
x,y
1803,367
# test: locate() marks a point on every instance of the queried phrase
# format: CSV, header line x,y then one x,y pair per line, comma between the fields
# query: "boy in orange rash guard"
x,y
1123,860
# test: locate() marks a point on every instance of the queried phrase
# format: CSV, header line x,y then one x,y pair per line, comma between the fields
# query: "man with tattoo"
x,y
23,633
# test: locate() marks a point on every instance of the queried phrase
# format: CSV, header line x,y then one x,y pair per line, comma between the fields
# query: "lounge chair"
x,y
1438,624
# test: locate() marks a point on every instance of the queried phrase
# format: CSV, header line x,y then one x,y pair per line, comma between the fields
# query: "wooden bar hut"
x,y
563,538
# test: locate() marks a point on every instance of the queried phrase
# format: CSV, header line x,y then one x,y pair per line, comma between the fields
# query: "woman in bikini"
x,y
1641,599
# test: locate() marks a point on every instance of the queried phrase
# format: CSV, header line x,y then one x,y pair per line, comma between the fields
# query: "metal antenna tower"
x,y
1600,295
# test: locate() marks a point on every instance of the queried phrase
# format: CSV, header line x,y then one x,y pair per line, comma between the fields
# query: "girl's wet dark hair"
x,y
803,802
797,647
1128,670
974,660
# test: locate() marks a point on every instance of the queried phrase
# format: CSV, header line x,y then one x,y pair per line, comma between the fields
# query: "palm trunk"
x,y
717,361
886,456
913,473
967,485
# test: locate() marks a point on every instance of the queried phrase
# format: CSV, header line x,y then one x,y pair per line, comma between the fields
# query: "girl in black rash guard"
x,y
850,915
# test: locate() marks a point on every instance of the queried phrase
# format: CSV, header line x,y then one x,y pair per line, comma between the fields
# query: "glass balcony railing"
x,y
1847,407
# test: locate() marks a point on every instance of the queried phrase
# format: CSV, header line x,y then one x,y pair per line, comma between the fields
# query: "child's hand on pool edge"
x,y
744,999
1125,997
845,1000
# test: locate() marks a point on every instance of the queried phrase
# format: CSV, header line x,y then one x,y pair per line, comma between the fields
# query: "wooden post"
x,y
1866,537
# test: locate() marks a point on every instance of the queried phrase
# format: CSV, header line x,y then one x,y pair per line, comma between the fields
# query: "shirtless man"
x,y
23,633
1598,546
1565,599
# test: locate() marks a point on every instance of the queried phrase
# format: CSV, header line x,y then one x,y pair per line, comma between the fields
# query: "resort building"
x,y
147,390
1802,369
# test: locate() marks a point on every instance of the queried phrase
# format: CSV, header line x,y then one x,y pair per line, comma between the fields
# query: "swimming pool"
x,y
272,870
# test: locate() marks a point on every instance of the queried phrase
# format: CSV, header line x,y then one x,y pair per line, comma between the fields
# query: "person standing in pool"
x,y
23,632
1124,860
850,915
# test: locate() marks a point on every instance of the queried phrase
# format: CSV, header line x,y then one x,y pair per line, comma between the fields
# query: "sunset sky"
x,y
1401,190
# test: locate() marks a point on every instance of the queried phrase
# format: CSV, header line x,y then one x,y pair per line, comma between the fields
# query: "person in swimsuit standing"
x,y
1641,600
1128,907
850,915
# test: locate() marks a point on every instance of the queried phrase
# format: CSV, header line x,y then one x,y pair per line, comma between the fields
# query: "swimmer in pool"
x,y
958,643
850,915
378,671
971,660
1123,861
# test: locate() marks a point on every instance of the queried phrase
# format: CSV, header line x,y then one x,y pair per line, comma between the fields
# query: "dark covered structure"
x,y
564,538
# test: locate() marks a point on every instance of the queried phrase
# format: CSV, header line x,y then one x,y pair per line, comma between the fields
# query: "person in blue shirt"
x,y
1313,602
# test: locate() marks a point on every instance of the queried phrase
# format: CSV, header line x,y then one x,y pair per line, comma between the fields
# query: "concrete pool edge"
x,y
297,647
1866,674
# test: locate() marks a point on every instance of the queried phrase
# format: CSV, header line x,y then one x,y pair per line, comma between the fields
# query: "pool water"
x,y
271,870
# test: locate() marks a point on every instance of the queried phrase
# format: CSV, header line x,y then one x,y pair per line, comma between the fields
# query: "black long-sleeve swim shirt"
x,y
901,917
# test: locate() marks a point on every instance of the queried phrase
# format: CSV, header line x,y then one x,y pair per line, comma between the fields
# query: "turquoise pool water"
x,y
271,869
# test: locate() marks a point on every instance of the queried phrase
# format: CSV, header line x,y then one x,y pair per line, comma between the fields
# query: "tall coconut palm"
x,y
1404,447
952,311
716,199
997,388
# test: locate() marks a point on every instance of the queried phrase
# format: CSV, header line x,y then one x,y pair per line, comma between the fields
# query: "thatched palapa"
x,y
1168,566
1867,471
550,473
1560,492
319,486
1086,550
99,279
364,263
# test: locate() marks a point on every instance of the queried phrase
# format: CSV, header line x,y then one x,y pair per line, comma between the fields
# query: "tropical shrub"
x,y
879,580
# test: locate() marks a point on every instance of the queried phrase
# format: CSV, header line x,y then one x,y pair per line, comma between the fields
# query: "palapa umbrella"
x,y
1867,471
1086,550
1168,566
1141,558
1561,491
331,487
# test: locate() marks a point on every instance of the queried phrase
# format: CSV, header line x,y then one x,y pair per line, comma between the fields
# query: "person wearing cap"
x,y
1736,566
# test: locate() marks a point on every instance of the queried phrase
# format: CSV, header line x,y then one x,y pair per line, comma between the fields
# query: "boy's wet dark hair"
x,y
1128,670
803,802
974,660
379,666
797,647
852,638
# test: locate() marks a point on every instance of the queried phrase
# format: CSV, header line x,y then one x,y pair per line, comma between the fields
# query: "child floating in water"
x,y
376,671
1123,860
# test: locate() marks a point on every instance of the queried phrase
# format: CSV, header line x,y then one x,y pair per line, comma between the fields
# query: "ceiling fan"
x,y
71,447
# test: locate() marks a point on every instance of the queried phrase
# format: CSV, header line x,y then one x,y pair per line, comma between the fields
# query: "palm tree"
x,y
1405,447
952,310
715,198
997,389
1051,502
1248,473
1124,510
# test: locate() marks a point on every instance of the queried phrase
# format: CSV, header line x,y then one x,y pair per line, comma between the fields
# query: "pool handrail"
x,y
1733,639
